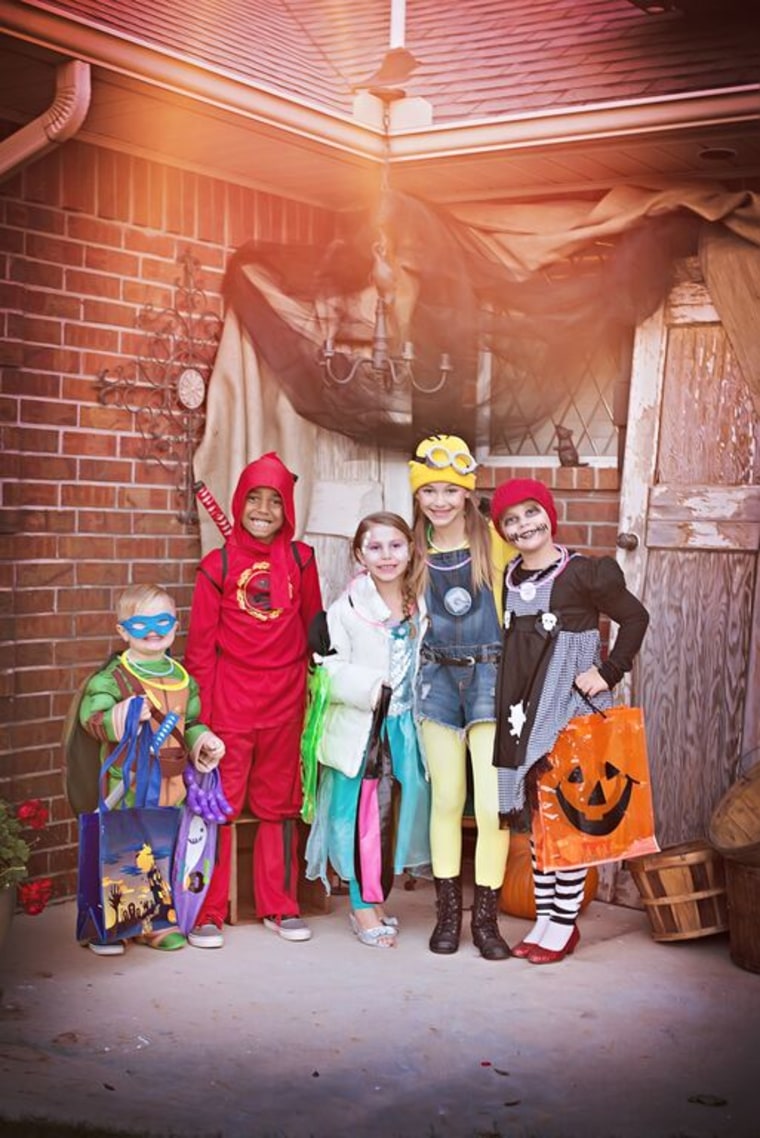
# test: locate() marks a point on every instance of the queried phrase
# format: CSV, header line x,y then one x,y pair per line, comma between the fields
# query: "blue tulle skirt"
x,y
332,834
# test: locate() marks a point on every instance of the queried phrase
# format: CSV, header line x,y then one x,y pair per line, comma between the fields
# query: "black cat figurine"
x,y
567,450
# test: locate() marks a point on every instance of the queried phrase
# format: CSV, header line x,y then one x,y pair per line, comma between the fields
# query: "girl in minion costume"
x,y
460,569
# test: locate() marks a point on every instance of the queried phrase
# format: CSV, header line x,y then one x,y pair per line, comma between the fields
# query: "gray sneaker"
x,y
289,928
205,936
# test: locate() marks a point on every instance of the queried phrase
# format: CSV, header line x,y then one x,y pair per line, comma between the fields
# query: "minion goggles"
x,y
440,457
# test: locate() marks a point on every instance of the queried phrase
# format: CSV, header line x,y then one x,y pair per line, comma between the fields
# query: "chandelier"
x,y
339,364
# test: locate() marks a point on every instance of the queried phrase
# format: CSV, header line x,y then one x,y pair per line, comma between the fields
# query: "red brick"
x,y
44,411
13,296
11,240
101,521
43,626
28,383
97,497
59,304
84,442
84,283
133,498
151,474
99,339
94,232
592,510
42,179
74,600
161,524
110,418
211,209
30,494
36,574
102,573
140,549
36,273
35,600
29,440
38,357
49,521
47,469
156,244
30,217
113,185
66,652
12,354
111,261
142,295
149,572
78,191
149,193
8,410
89,548
187,548
41,247
39,330
105,312
32,655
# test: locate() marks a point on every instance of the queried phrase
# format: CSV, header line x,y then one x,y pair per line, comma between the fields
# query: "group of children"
x,y
440,622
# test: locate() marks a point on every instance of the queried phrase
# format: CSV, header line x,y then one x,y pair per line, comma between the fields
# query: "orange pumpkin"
x,y
517,891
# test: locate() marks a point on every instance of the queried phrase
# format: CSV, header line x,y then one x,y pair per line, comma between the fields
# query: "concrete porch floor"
x,y
629,1037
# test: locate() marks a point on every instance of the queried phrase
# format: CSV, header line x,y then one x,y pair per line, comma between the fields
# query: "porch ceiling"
x,y
309,154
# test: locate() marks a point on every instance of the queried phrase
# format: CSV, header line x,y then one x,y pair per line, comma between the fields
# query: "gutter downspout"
x,y
60,121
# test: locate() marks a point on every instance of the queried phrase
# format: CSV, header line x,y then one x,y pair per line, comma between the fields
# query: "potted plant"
x,y
15,852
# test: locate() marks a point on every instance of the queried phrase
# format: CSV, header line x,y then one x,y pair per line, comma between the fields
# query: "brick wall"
x,y
87,239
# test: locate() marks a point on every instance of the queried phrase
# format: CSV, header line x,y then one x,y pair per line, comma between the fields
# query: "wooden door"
x,y
690,494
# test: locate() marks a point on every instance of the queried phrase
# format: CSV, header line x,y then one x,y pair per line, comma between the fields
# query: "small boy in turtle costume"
x,y
147,622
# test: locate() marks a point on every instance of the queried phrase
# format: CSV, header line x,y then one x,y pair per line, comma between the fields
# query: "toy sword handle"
x,y
212,507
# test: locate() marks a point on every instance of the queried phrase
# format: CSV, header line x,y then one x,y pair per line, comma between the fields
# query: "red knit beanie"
x,y
520,490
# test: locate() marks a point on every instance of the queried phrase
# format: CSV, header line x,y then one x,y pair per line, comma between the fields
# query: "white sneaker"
x,y
103,948
206,936
289,928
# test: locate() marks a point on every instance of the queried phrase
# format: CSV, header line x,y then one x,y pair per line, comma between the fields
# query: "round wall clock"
x,y
191,388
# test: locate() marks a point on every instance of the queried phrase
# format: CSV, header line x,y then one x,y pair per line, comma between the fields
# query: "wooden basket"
x,y
683,889
735,823
743,892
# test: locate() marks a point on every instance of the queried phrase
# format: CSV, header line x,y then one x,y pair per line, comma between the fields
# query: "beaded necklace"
x,y
527,589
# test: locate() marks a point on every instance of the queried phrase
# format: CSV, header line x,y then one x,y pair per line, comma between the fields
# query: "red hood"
x,y
269,470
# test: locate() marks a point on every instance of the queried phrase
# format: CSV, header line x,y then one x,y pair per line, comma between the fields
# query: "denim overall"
x,y
461,649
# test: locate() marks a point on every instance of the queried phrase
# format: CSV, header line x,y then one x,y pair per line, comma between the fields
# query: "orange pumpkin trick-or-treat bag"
x,y
595,801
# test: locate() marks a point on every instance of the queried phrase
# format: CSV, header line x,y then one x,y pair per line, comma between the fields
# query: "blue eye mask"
x,y
141,626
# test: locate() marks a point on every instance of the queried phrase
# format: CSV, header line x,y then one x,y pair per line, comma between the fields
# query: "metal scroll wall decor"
x,y
166,389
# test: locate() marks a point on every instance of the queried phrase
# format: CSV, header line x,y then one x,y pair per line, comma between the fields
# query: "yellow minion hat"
x,y
442,458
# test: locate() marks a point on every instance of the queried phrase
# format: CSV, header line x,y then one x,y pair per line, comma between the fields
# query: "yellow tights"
x,y
446,753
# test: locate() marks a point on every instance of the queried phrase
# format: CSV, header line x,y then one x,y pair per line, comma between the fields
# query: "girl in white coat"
x,y
374,641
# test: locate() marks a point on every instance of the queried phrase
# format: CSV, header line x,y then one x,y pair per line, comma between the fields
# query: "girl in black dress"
x,y
551,660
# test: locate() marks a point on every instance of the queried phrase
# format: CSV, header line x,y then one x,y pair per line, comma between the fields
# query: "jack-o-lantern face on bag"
x,y
594,794
594,798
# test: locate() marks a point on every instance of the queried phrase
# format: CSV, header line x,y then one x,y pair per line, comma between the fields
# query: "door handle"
x,y
627,541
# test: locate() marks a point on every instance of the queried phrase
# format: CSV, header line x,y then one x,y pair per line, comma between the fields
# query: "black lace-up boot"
x,y
445,935
485,926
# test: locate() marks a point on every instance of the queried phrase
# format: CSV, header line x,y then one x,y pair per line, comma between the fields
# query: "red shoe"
x,y
539,955
524,948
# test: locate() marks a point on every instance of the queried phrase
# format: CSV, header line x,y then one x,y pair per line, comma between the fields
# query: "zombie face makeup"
x,y
526,526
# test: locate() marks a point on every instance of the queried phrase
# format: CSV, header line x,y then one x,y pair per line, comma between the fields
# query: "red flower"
x,y
33,813
34,895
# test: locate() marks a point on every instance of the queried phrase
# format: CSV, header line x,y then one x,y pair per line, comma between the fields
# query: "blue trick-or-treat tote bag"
x,y
125,853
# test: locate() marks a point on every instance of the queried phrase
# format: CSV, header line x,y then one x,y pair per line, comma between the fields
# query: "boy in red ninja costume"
x,y
247,649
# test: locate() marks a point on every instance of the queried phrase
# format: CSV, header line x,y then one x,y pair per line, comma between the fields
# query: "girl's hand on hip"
x,y
590,683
